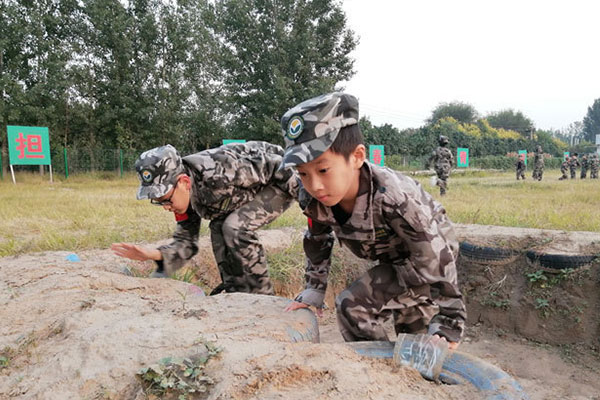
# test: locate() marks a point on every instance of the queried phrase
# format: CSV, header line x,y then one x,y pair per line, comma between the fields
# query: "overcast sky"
x,y
538,57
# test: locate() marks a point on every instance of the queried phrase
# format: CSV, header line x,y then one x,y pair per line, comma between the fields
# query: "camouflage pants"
x,y
443,174
573,173
594,173
375,297
564,174
520,173
538,172
583,173
240,256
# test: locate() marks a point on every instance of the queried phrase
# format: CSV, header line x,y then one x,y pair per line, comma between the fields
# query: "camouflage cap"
x,y
157,171
311,127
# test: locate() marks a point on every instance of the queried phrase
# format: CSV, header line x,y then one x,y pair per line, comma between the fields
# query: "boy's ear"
x,y
187,182
359,155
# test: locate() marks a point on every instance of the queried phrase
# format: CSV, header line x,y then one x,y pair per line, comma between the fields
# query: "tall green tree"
x,y
35,50
510,119
276,53
591,122
461,112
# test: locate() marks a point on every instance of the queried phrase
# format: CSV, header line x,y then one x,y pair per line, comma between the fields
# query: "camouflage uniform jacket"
x,y
441,158
224,179
397,223
574,163
538,160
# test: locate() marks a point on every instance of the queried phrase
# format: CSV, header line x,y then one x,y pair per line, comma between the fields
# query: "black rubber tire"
x,y
459,368
559,261
483,253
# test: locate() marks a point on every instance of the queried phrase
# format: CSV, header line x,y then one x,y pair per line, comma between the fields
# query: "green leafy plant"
x,y
543,305
180,376
537,276
494,300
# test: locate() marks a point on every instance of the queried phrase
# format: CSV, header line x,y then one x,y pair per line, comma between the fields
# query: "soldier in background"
x,y
538,164
573,165
594,165
520,165
238,187
564,167
442,160
584,166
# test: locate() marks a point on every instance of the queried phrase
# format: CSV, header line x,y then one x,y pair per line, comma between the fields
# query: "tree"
x,y
275,54
511,120
461,112
591,122
35,49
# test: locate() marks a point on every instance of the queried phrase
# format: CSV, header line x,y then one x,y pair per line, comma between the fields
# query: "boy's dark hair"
x,y
346,141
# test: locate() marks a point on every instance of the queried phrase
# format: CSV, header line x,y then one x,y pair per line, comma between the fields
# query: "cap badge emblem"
x,y
295,127
146,176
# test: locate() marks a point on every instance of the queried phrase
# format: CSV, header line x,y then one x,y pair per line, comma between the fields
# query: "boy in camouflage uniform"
x,y
538,164
520,165
584,166
594,164
239,187
380,215
442,159
563,168
573,165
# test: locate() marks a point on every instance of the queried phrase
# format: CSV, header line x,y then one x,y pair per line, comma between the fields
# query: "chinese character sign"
x,y
565,155
523,155
28,145
462,157
376,154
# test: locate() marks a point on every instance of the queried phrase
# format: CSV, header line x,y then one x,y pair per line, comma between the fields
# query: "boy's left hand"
x,y
295,305
451,345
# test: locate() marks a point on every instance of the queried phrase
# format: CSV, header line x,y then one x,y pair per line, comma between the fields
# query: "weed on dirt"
x,y
181,377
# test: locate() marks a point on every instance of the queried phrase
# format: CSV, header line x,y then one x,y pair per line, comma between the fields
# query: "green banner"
x,y
377,154
227,141
523,154
28,145
565,155
462,157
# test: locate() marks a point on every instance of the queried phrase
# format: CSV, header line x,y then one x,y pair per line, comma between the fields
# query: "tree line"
x,y
134,74
496,134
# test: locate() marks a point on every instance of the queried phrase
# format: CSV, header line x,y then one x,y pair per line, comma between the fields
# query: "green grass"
x,y
80,213
499,199
93,211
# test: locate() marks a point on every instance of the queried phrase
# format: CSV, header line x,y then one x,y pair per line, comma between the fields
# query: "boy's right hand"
x,y
134,252
295,305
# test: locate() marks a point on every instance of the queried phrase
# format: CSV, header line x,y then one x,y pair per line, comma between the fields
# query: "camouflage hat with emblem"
x,y
158,170
311,127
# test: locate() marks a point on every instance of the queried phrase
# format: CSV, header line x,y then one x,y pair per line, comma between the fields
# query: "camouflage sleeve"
x,y
184,245
432,261
318,243
430,161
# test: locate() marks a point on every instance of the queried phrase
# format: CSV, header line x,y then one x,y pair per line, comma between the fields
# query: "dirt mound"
x,y
540,240
84,330
80,330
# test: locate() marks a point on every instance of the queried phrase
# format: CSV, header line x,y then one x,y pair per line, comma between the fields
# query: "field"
x,y
86,212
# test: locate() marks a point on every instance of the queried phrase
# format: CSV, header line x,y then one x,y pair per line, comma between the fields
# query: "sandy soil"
x,y
83,329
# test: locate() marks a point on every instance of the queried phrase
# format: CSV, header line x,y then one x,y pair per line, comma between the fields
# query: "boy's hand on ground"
x,y
134,252
295,305
451,345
